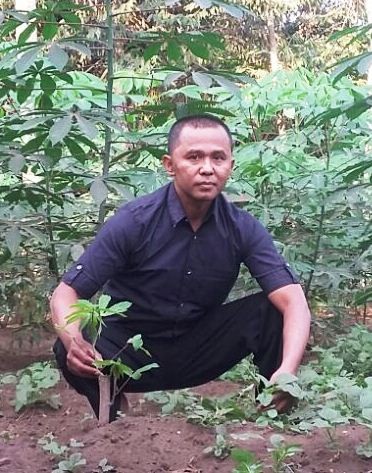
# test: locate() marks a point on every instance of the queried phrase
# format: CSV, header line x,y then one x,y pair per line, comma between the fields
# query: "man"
x,y
175,254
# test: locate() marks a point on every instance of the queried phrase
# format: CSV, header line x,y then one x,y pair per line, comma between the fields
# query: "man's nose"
x,y
207,166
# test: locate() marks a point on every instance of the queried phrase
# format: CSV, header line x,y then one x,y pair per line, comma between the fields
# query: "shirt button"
x,y
79,267
182,304
189,272
194,237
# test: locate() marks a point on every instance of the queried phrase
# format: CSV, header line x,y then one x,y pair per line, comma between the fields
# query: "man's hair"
x,y
195,121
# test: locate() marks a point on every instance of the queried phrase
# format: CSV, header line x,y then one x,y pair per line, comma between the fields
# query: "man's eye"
x,y
193,157
219,157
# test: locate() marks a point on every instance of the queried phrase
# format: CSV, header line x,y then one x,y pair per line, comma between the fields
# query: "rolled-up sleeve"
x,y
264,262
106,256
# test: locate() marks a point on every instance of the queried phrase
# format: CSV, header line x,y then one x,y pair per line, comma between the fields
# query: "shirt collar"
x,y
177,212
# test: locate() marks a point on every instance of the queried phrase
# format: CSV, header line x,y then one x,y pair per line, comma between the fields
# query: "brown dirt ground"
x,y
143,441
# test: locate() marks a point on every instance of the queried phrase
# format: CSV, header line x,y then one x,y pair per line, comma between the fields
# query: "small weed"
x,y
72,464
32,384
67,461
104,466
221,448
280,452
172,401
246,461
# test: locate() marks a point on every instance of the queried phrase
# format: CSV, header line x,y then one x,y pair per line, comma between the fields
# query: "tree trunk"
x,y
273,44
25,6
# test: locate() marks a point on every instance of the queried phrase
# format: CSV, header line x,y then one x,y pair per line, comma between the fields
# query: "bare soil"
x,y
143,441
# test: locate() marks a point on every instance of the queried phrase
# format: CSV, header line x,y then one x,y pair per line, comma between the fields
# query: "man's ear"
x,y
168,165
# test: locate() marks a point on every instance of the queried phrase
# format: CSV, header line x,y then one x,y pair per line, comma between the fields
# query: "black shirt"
x,y
148,254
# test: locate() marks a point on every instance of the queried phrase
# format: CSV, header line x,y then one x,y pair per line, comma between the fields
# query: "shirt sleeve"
x,y
262,259
106,256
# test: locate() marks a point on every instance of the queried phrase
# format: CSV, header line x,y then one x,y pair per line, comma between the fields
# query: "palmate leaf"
x,y
138,373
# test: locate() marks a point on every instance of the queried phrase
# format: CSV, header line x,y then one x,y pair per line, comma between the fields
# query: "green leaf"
x,y
120,308
49,30
16,163
174,51
24,91
199,49
71,19
151,51
8,28
33,123
75,149
27,60
45,102
104,301
34,145
98,191
26,33
87,127
227,84
138,373
202,80
60,129
57,56
79,47
203,3
136,341
18,16
233,10
13,239
172,77
265,398
47,84
76,251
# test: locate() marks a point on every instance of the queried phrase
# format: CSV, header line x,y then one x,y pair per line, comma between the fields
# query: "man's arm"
x,y
290,301
80,354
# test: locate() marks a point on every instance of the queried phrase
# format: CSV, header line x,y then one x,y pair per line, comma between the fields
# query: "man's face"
x,y
201,163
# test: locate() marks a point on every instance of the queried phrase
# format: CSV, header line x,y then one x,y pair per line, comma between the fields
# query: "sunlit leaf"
x,y
87,127
60,129
98,191
13,239
57,56
27,59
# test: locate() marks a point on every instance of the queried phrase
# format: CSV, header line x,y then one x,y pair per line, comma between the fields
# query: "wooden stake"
x,y
104,400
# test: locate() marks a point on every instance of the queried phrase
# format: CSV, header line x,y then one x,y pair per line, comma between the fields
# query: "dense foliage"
x,y
74,145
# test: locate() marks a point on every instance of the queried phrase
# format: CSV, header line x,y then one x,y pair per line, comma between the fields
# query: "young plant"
x,y
246,461
68,462
32,385
221,448
280,452
91,318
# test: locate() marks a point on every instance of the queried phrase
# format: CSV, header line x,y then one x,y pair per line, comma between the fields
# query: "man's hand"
x,y
80,358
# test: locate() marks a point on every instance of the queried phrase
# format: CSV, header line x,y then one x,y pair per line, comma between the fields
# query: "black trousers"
x,y
213,345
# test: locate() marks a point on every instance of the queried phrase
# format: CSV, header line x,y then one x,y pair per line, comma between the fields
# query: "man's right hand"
x,y
80,357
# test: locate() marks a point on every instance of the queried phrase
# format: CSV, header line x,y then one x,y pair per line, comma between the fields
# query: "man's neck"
x,y
195,211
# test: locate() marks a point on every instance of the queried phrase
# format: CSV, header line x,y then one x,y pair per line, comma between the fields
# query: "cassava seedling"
x,y
91,318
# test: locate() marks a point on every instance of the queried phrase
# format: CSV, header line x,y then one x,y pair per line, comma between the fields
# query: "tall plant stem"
x,y
53,260
321,218
109,92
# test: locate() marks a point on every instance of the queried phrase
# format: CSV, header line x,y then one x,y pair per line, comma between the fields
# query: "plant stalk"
x,y
109,108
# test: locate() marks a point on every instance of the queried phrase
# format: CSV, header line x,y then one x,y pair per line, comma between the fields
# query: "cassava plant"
x,y
91,318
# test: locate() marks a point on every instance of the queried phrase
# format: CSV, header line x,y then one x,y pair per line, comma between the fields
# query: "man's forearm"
x,y
296,329
291,302
61,301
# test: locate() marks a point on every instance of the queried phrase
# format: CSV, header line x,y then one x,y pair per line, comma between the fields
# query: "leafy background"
x,y
90,89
